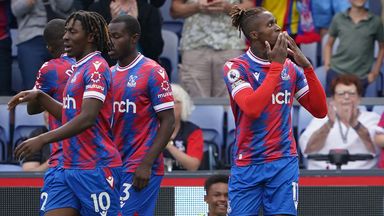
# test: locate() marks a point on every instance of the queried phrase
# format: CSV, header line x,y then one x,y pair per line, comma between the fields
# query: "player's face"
x,y
267,28
217,199
75,39
346,96
123,43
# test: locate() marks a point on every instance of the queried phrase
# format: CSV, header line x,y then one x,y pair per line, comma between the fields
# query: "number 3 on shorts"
x,y
103,201
124,198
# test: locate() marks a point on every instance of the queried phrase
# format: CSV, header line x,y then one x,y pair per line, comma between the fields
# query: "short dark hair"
x,y
241,18
94,23
54,32
131,24
347,79
215,179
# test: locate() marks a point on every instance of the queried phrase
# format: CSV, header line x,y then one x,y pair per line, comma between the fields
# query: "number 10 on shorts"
x,y
103,202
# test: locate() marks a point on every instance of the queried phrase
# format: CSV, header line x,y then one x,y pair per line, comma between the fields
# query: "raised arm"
x,y
38,99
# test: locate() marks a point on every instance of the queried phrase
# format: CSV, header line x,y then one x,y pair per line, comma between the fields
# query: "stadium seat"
x,y
372,89
174,26
25,124
4,131
210,157
321,75
10,168
210,118
170,52
379,109
304,119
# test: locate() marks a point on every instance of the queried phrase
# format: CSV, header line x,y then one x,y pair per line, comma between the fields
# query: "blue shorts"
x,y
273,185
142,202
91,192
48,179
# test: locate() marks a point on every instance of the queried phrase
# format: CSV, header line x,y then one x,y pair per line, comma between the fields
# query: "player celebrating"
x,y
143,117
89,183
51,79
262,83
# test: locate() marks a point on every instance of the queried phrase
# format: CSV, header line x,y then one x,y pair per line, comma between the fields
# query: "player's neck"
x,y
128,59
259,51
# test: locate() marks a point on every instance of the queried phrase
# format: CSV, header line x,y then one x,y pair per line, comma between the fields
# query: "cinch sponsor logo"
x,y
124,106
69,102
281,97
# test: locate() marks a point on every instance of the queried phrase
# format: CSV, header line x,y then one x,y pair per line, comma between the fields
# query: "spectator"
x,y
323,12
286,13
379,140
38,162
361,28
185,149
5,49
216,195
31,49
207,41
147,13
346,127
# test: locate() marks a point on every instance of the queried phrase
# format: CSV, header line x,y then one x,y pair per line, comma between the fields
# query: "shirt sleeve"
x,y
333,28
235,78
301,83
97,80
46,78
159,89
379,35
195,144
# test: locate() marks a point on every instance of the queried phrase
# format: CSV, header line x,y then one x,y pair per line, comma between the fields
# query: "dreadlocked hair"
x,y
241,18
94,23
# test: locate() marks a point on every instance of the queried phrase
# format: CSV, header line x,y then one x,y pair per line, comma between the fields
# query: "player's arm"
x,y
42,82
33,107
252,103
89,111
164,132
313,99
44,100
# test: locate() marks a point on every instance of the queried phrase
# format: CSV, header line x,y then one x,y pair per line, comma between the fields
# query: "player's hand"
x,y
279,51
23,96
141,176
295,51
28,147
